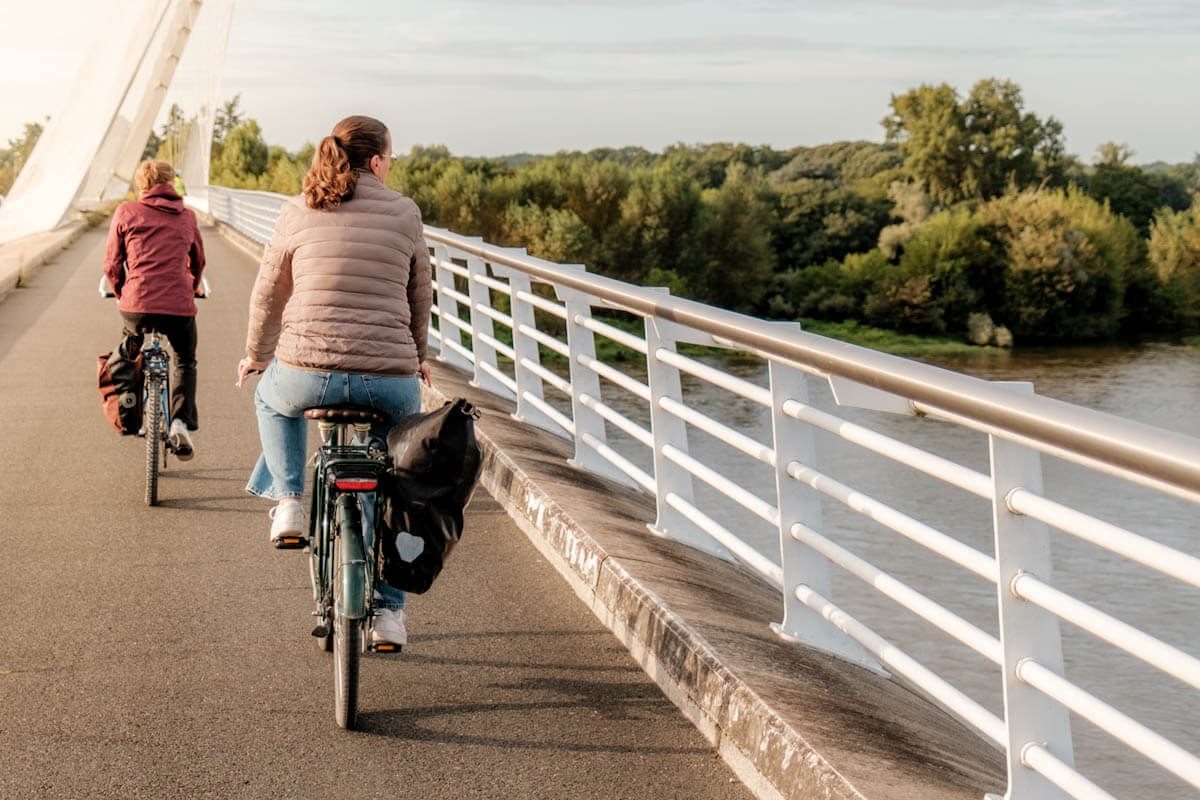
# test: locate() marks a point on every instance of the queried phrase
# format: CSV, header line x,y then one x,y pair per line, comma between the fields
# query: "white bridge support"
x,y
87,153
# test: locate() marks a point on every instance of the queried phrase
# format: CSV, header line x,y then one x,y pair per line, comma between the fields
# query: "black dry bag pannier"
x,y
119,379
436,462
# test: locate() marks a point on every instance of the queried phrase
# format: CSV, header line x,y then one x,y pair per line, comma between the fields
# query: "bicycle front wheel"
x,y
153,437
346,648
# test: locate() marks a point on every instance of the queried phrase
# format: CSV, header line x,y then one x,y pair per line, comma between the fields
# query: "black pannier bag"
x,y
119,379
436,462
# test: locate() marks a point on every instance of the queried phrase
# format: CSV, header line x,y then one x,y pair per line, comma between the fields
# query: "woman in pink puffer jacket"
x,y
339,314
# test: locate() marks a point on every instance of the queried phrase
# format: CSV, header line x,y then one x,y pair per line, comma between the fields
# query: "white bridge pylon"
x,y
87,153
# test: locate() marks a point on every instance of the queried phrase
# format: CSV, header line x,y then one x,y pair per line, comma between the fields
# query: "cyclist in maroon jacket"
x,y
154,262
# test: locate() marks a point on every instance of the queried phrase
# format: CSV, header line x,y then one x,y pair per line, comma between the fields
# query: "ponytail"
x,y
334,172
329,180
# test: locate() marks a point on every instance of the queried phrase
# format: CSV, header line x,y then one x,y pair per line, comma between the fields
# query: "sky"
x,y
493,77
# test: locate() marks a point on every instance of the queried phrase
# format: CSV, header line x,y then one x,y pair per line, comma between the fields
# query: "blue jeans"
x,y
283,394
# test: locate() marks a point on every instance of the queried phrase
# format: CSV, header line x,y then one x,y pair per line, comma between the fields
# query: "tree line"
x,y
969,218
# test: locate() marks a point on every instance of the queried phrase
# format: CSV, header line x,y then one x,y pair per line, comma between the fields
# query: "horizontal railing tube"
x,y
1145,454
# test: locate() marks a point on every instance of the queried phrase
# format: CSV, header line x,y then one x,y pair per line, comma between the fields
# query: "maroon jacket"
x,y
155,256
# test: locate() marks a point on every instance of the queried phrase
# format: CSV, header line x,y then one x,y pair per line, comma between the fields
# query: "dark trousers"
x,y
181,335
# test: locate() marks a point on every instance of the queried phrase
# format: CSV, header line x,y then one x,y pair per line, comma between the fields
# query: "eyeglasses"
x,y
388,156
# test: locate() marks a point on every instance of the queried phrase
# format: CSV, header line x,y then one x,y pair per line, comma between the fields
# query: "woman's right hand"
x,y
246,366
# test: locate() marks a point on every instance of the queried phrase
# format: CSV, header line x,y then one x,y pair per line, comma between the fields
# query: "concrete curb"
x,y
20,259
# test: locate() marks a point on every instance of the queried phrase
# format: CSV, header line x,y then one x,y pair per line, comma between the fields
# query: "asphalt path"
x,y
165,652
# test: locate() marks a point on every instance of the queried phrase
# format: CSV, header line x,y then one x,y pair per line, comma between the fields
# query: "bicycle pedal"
x,y
291,542
321,631
384,647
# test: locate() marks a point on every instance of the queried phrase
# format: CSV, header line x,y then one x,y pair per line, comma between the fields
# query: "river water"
x,y
1158,385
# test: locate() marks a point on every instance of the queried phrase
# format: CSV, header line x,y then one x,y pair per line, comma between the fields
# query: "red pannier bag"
x,y
119,380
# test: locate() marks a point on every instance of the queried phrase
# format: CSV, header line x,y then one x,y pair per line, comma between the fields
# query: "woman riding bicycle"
x,y
154,261
339,314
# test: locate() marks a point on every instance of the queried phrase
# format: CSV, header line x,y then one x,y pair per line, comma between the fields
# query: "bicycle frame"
x,y
156,364
346,471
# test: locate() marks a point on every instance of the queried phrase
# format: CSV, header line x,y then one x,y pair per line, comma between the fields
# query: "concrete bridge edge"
x,y
21,258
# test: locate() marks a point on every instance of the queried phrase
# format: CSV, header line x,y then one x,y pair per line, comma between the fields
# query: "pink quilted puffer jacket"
x,y
347,290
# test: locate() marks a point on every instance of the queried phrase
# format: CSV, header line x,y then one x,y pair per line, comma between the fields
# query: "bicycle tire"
x,y
346,648
153,420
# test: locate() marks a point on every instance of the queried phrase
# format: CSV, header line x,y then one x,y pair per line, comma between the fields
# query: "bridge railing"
x,y
528,329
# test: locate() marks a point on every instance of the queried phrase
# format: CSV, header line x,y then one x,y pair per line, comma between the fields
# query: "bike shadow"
x,y
221,504
615,701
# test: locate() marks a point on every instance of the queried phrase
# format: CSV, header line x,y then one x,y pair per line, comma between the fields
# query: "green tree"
x,y
977,147
660,226
912,205
551,233
153,143
243,158
737,245
17,154
1113,154
284,174
956,261
709,163
173,138
467,201
1067,258
1132,191
227,117
1174,257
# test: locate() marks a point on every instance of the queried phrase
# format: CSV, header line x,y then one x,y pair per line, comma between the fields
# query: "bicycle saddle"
x,y
345,412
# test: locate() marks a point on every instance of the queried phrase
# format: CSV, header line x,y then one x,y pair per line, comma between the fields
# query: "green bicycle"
x,y
346,477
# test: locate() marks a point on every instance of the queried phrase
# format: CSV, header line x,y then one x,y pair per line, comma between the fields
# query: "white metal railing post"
x,y
800,505
447,307
671,480
525,348
482,329
1026,631
588,424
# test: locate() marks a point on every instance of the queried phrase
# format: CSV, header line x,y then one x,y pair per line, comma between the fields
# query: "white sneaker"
x,y
180,439
388,626
287,521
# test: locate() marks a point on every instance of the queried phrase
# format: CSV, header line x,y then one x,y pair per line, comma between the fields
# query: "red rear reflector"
x,y
356,484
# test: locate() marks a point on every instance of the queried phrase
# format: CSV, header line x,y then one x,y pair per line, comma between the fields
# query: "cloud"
x,y
538,82
707,47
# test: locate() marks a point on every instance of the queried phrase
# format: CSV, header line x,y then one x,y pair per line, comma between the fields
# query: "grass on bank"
x,y
888,341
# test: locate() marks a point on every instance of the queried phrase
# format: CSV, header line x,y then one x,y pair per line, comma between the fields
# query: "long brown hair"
x,y
335,164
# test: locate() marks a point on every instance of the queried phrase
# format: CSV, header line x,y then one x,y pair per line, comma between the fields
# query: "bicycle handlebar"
x,y
106,290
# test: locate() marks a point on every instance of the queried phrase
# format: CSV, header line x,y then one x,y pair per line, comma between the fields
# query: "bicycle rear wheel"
x,y
153,438
346,648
